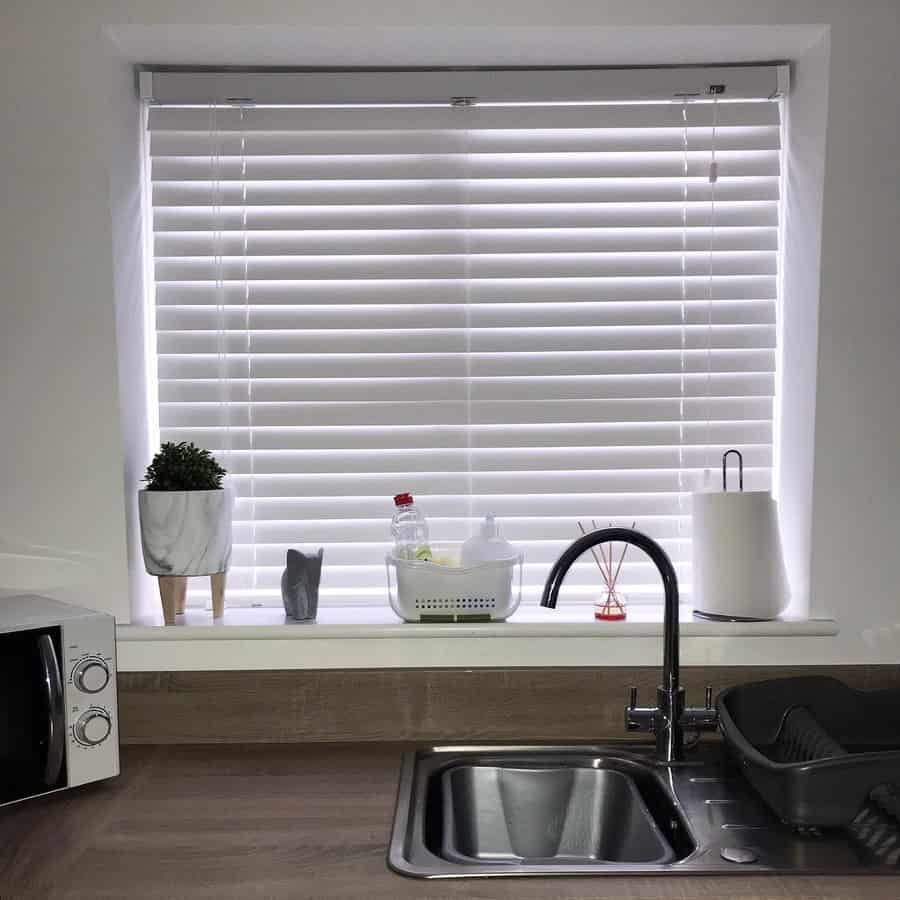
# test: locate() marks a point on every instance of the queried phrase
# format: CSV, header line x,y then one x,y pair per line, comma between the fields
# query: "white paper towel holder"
x,y
738,566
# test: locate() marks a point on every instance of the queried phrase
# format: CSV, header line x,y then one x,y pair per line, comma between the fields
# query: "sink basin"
x,y
553,814
536,810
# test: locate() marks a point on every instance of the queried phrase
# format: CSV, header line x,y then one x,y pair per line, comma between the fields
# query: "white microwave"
x,y
58,712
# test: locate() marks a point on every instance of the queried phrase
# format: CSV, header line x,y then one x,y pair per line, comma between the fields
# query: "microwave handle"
x,y
56,720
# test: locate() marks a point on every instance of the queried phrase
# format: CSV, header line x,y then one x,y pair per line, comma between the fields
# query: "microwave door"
x,y
32,714
56,710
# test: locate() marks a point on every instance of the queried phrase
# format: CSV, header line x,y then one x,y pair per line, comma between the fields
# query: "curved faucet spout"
x,y
666,718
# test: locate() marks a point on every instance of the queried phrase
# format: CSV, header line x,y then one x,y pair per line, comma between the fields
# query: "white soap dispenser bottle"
x,y
486,546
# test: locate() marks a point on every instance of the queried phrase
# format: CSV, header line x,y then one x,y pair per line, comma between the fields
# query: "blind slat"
x,y
482,340
422,292
351,532
580,505
490,190
521,118
441,412
610,313
455,266
467,165
575,214
179,144
502,484
522,459
716,384
536,240
346,554
400,365
543,435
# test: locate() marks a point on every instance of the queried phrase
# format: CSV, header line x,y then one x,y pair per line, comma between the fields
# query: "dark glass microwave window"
x,y
25,715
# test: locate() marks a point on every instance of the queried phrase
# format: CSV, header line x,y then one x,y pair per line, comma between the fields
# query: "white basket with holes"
x,y
430,592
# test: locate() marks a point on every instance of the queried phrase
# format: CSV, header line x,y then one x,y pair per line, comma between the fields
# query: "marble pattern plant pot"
x,y
183,534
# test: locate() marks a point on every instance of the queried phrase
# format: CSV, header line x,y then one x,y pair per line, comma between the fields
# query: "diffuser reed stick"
x,y
600,566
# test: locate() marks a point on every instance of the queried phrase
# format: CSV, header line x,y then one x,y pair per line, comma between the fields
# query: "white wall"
x,y
61,463
856,489
60,453
804,130
135,334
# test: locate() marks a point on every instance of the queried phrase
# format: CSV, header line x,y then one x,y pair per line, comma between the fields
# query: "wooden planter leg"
x,y
168,592
217,584
181,598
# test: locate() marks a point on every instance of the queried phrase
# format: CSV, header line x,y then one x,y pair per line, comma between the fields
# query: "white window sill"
x,y
360,637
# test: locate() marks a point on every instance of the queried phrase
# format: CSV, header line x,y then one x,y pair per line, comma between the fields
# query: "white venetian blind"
x,y
547,312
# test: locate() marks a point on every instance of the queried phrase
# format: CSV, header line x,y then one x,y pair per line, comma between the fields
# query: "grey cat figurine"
x,y
300,584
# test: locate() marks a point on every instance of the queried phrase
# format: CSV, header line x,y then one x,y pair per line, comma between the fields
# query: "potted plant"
x,y
185,516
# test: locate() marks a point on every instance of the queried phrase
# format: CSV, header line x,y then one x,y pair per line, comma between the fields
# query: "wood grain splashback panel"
x,y
528,704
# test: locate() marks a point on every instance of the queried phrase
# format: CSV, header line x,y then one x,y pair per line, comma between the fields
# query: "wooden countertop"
x,y
286,821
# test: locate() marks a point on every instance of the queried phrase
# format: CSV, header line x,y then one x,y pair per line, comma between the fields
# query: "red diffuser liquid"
x,y
612,609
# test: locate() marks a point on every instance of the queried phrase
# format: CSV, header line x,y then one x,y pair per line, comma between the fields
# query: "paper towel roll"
x,y
738,566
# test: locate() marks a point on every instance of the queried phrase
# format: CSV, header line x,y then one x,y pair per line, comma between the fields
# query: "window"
x,y
543,307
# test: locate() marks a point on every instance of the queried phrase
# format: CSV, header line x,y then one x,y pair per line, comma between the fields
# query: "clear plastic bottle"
x,y
410,530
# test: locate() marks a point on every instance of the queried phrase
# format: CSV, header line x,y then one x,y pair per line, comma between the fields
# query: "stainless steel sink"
x,y
481,811
560,813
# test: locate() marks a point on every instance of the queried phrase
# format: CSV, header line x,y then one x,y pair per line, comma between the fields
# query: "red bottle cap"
x,y
403,499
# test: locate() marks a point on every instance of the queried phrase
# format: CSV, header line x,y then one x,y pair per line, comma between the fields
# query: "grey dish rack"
x,y
815,749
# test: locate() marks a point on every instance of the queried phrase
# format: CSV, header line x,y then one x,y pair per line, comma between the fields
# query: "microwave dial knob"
x,y
93,727
91,675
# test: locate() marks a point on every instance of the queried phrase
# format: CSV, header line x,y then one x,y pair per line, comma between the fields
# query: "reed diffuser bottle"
x,y
610,605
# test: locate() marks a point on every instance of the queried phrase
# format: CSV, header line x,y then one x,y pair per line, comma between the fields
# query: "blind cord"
x,y
467,300
221,305
248,345
683,362
713,178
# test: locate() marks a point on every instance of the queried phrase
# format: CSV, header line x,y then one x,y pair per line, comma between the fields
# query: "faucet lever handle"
x,y
632,703
709,697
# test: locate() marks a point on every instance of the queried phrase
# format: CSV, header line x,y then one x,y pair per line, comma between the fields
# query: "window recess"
x,y
556,300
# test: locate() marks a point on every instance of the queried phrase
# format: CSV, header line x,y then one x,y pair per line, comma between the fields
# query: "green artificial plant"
x,y
183,467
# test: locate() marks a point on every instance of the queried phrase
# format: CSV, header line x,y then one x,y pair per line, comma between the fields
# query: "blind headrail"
x,y
167,86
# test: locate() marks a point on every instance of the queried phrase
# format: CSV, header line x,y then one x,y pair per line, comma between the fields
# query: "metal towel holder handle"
x,y
740,457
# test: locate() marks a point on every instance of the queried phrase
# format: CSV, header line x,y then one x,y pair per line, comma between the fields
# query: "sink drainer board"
x,y
814,748
611,810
